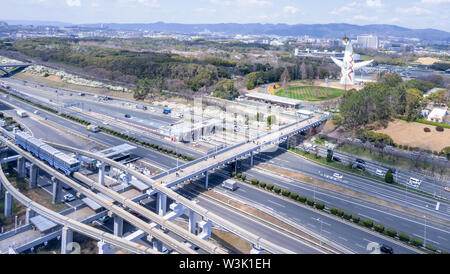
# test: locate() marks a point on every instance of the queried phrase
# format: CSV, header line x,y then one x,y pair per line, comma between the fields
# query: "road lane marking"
x,y
275,203
343,238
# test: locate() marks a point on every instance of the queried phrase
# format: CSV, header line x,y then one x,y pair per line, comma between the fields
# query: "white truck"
x,y
21,113
230,184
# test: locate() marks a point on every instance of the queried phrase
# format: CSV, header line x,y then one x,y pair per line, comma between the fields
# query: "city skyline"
x,y
420,14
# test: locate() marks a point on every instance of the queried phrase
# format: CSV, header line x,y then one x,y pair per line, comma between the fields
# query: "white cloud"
x,y
413,10
147,3
374,3
365,18
205,10
73,3
435,1
341,10
290,9
250,3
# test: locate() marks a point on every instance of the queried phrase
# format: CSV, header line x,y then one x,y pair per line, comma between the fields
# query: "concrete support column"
x,y
205,227
192,221
118,226
1,187
251,158
257,251
8,204
104,248
128,178
66,239
34,171
56,190
157,245
288,141
21,167
28,215
101,174
162,203
206,179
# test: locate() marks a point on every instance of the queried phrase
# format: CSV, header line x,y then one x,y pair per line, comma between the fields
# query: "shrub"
x,y
368,223
416,242
320,205
391,232
440,129
333,210
269,187
239,175
301,199
254,181
243,176
285,193
262,184
347,216
379,228
294,196
277,190
427,129
430,247
403,237
340,212
329,157
355,219
233,174
388,177
310,202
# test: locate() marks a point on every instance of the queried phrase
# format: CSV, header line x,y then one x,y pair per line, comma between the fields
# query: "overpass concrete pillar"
x,y
162,203
101,174
28,215
206,179
66,239
20,167
288,142
205,227
257,251
56,190
157,245
251,159
8,204
192,221
34,171
104,248
118,226
128,178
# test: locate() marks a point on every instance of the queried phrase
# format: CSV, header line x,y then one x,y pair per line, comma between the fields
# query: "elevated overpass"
x,y
4,67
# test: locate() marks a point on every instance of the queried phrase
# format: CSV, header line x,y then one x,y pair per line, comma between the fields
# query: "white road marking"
x,y
343,238
445,239
275,203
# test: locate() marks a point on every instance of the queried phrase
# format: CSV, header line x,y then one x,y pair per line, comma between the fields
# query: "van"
x,y
413,182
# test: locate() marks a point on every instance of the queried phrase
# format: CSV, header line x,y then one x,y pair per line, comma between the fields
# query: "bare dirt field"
x,y
412,134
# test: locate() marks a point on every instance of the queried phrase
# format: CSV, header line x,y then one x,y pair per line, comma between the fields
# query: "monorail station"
x,y
274,100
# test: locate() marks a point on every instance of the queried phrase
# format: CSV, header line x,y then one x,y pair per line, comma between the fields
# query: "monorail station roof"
x,y
93,205
117,150
273,99
42,224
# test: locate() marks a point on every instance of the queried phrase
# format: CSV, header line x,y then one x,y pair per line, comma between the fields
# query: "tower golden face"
x,y
346,41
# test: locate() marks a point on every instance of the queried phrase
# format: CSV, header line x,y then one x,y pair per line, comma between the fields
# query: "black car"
x,y
361,167
361,161
337,159
386,249
127,116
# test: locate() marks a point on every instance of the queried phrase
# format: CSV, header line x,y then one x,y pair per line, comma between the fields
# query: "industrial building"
x,y
274,100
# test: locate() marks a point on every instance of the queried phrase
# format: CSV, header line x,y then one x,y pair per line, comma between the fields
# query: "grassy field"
x,y
311,93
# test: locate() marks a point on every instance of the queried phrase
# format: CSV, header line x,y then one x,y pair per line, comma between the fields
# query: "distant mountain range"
x,y
333,30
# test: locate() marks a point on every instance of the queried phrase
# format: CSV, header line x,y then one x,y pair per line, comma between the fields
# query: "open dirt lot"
x,y
412,134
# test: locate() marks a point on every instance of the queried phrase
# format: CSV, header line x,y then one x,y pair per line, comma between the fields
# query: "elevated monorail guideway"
x,y
151,230
72,224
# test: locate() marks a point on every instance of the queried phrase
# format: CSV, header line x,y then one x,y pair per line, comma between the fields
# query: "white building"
x,y
368,41
187,132
437,115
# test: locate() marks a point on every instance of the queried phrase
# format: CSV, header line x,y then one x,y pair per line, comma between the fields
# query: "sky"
x,y
406,13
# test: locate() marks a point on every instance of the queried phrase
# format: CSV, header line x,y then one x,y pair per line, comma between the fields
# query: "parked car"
x,y
386,249
69,198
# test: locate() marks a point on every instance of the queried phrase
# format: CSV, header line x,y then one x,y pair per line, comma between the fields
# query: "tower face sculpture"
x,y
348,65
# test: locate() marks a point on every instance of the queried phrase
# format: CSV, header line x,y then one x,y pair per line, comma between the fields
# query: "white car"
x,y
379,172
413,182
105,123
69,198
338,176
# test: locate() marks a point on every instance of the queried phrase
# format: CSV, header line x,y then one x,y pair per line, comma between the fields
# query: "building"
x,y
368,41
274,100
187,132
437,115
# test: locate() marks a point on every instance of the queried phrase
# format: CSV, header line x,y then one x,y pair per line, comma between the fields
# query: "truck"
x,y
4,85
167,111
141,107
21,113
93,128
230,184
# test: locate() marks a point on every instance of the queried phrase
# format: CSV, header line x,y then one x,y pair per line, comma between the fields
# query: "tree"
x,y
413,98
303,71
285,78
329,157
270,120
388,177
225,89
